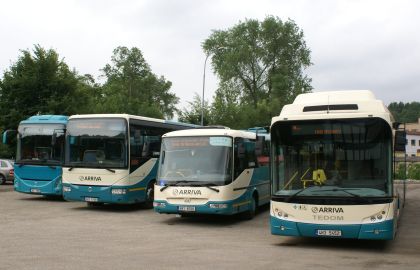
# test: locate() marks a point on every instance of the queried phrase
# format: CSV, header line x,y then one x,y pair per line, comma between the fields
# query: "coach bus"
x,y
332,167
39,155
112,158
212,171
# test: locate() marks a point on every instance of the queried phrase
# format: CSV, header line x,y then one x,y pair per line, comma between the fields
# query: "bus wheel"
x,y
2,179
250,213
150,195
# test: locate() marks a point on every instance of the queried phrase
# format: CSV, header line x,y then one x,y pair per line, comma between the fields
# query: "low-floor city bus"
x,y
332,167
112,158
39,155
212,171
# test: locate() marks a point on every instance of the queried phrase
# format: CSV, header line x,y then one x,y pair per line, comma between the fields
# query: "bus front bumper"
x,y
211,207
379,231
104,194
39,187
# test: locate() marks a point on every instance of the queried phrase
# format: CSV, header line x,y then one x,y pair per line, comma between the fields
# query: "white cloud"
x,y
355,44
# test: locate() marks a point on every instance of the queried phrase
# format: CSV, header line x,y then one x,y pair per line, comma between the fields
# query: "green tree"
x,y
226,107
405,112
192,114
39,82
131,87
264,60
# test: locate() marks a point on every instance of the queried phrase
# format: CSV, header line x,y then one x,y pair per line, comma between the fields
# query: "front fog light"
x,y
159,204
119,191
66,189
218,205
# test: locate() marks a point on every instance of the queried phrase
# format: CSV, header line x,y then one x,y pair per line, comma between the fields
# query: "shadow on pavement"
x,y
210,220
337,244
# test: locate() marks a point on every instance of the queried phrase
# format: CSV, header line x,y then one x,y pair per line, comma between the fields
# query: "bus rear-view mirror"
x,y
8,136
400,140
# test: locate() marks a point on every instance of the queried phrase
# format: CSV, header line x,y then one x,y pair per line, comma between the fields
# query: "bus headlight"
x,y
218,205
377,217
66,189
118,191
280,213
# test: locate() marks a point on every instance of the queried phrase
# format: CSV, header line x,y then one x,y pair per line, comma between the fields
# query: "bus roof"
x,y
130,116
46,119
211,132
334,105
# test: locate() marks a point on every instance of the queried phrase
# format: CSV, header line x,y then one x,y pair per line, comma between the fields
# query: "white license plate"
x,y
328,232
91,199
186,208
35,190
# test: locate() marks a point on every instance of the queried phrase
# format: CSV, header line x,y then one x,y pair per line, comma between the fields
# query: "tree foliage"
x,y
264,61
131,87
39,83
192,114
405,112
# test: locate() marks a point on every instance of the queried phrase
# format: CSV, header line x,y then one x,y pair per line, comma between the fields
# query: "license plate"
x,y
91,199
186,208
328,232
35,190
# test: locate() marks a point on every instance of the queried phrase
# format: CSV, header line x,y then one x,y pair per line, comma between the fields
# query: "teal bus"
x,y
39,155
212,171
113,158
332,167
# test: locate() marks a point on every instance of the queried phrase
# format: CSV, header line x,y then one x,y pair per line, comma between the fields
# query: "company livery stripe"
x,y
240,204
136,189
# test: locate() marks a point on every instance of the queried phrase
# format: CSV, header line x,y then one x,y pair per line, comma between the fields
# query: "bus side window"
x,y
262,151
144,144
136,147
245,156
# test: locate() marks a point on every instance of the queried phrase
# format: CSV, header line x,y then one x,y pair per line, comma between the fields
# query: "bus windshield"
x,y
35,144
332,158
96,143
204,159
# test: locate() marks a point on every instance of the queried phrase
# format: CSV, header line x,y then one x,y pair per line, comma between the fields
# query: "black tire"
x,y
150,195
2,179
250,213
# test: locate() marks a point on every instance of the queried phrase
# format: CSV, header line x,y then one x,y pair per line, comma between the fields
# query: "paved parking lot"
x,y
40,233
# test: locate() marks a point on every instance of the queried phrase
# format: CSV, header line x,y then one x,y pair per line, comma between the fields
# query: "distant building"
x,y
413,139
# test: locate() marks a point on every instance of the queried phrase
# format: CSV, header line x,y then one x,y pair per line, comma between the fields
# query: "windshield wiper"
x,y
208,185
298,192
165,186
345,191
111,170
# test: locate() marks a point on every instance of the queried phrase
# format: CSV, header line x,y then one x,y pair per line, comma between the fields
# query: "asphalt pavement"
x,y
42,233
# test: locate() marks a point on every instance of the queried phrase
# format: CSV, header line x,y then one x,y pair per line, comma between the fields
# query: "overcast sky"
x,y
358,44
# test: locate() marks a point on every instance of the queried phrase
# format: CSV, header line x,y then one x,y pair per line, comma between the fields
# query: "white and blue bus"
x,y
332,167
39,155
212,171
112,158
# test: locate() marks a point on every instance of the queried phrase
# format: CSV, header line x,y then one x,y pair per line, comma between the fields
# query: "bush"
x,y
413,171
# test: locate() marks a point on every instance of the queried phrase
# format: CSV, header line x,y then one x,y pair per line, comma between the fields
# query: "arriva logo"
x,y
331,210
90,178
186,192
